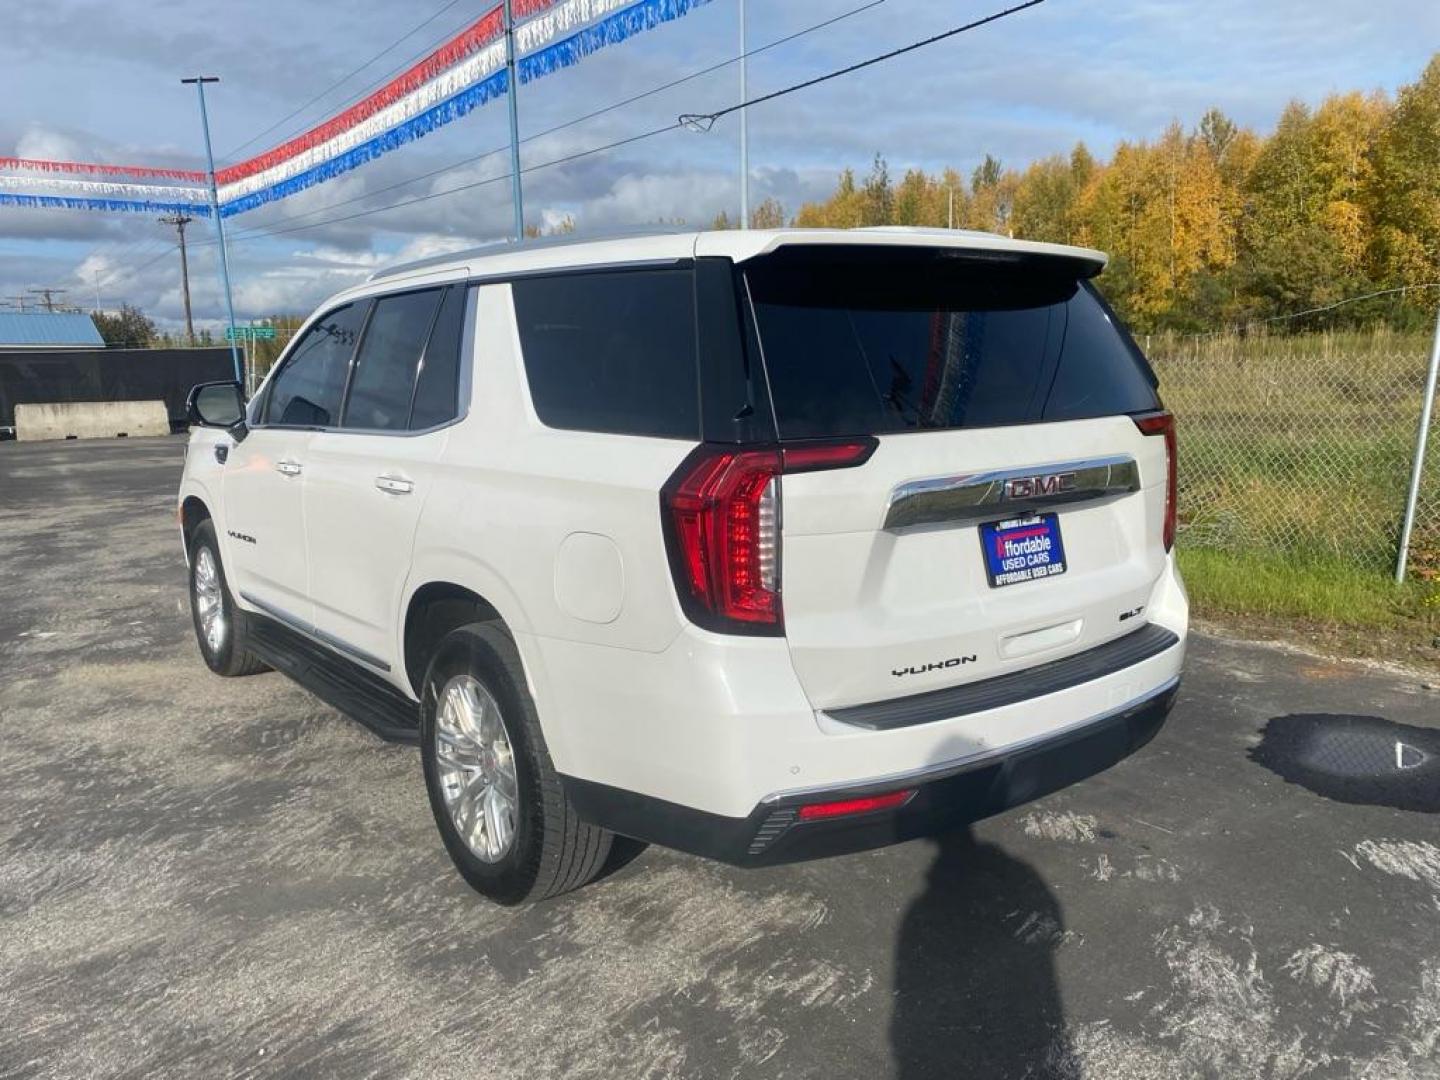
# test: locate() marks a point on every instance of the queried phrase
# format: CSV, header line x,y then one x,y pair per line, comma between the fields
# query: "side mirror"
x,y
216,405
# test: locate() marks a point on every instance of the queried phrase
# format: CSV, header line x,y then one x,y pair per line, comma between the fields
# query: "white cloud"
x,y
83,84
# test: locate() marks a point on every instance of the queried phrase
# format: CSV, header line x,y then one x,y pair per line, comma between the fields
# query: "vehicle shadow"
x,y
975,986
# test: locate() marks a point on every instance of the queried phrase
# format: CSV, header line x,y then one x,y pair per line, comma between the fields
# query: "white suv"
x,y
760,545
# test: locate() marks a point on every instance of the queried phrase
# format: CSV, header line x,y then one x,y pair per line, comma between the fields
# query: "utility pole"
x,y
48,296
179,221
951,191
200,81
512,81
744,129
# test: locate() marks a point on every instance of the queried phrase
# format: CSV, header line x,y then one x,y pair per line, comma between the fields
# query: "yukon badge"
x,y
938,665
1030,487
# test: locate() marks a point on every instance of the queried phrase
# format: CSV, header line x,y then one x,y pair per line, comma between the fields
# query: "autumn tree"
x,y
1405,189
768,215
1215,224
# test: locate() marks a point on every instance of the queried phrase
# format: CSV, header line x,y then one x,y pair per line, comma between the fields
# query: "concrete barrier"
x,y
90,420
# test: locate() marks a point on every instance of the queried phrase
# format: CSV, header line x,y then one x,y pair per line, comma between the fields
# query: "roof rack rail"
x,y
500,247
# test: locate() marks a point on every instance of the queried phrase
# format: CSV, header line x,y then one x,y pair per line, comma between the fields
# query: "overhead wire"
x,y
699,73
704,121
346,78
688,120
684,121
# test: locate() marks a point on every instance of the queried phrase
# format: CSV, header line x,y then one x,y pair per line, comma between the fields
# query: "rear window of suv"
x,y
866,342
612,351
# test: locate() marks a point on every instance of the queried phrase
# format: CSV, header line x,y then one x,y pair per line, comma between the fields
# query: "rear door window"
x,y
862,342
389,358
307,390
612,351
437,397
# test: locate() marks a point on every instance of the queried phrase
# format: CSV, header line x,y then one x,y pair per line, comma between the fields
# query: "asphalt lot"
x,y
207,877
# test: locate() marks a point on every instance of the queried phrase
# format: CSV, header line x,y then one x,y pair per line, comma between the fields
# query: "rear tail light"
x,y
1163,423
721,513
846,807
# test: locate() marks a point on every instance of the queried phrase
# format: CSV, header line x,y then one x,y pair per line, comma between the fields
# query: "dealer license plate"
x,y
1022,549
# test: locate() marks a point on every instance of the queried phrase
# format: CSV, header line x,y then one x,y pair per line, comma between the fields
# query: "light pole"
x,y
200,81
744,131
512,81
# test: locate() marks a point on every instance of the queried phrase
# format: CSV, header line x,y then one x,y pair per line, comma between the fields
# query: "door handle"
x,y
288,468
222,452
394,485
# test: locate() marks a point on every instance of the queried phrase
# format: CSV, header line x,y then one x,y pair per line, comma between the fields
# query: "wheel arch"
x,y
193,510
434,609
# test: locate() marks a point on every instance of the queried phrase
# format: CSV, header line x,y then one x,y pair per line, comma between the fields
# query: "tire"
x,y
226,650
549,850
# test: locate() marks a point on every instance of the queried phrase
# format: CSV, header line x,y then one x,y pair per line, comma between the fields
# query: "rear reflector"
x,y
847,807
1163,423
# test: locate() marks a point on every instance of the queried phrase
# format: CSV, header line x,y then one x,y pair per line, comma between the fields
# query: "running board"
x,y
340,683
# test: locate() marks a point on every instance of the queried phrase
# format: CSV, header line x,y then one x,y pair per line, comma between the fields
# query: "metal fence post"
x,y
1418,470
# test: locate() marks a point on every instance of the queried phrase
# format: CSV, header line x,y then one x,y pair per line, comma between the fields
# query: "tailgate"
x,y
875,612
1013,511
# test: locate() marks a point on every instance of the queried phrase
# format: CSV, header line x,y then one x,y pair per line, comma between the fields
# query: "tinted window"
x,y
873,342
1102,371
306,392
436,392
612,351
734,404
388,359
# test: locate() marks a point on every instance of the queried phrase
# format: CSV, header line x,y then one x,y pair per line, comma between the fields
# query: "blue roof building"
x,y
48,330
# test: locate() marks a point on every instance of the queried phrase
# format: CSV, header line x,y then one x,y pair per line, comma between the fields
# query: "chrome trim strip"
x,y
345,647
973,496
962,764
314,633
289,620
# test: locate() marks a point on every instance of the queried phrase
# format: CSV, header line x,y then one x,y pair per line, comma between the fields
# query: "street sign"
x,y
253,333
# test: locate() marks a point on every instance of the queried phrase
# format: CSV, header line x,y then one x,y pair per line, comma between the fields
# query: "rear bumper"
x,y
946,795
720,723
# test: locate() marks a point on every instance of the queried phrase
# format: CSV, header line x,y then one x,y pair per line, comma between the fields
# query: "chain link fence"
x,y
1302,446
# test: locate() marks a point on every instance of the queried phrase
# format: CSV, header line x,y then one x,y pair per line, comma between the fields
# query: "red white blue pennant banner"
x,y
458,77
31,182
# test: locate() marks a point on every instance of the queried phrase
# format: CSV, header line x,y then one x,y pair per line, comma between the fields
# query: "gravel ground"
x,y
207,877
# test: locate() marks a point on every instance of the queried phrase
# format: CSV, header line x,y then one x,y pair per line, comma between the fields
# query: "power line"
x,y
1348,300
261,234
704,121
683,121
120,270
346,78
587,116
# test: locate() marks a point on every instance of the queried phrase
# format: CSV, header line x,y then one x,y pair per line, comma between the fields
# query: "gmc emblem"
x,y
1030,487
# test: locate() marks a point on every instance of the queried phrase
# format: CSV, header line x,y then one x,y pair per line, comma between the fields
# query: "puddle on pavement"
x,y
1355,759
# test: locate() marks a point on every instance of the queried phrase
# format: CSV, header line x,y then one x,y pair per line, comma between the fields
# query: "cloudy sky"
x,y
91,80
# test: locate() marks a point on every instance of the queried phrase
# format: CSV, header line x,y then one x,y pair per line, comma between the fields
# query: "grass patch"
x,y
1332,594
